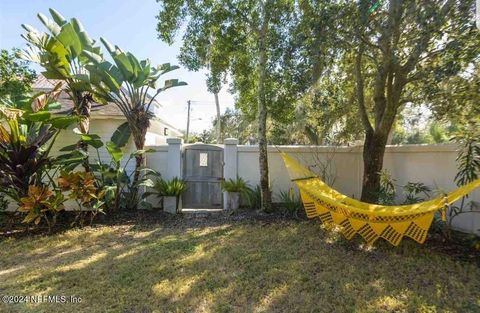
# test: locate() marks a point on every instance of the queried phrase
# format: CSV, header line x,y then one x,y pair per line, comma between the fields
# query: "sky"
x,y
130,24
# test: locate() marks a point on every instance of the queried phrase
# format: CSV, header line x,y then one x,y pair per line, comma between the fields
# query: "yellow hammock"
x,y
371,221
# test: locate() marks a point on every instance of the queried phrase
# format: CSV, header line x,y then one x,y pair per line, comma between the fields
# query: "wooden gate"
x,y
203,174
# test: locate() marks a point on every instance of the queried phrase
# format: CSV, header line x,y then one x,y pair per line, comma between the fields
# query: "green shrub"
x,y
387,191
254,197
235,185
413,192
169,188
290,202
468,164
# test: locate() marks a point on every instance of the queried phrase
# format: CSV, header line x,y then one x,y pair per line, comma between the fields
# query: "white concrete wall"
x,y
158,160
433,165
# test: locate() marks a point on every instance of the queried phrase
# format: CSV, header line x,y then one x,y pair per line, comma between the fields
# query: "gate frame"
x,y
202,147
175,157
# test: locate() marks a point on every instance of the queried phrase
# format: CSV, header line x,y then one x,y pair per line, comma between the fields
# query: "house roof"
x,y
109,110
98,110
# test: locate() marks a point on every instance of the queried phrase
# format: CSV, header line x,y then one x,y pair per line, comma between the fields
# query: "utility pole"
x,y
188,121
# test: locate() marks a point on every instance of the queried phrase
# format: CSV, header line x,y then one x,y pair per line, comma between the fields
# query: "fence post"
x,y
230,167
174,158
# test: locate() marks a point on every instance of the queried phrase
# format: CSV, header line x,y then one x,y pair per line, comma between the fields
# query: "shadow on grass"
x,y
282,267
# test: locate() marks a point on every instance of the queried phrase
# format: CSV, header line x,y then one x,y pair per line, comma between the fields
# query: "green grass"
x,y
288,267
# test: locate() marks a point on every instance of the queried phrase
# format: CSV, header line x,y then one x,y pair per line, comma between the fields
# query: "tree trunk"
x,y
262,117
219,122
82,111
139,145
139,140
373,153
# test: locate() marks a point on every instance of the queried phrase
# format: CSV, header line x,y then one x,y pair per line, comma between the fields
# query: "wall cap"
x,y
353,149
174,140
231,141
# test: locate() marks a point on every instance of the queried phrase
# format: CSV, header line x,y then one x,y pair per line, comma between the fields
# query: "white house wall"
x,y
101,127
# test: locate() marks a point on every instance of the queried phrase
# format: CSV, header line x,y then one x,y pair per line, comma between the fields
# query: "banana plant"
x,y
59,51
128,82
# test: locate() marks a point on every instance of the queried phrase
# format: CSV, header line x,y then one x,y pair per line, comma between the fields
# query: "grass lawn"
x,y
236,267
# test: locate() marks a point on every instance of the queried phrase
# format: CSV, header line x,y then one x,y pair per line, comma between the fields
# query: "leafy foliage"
x,y
170,188
468,163
60,51
41,203
25,144
290,202
23,156
254,198
468,158
387,191
413,192
112,178
127,82
235,185
81,187
15,76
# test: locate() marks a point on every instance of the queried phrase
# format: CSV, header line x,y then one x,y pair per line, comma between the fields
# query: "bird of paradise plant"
x,y
59,51
127,82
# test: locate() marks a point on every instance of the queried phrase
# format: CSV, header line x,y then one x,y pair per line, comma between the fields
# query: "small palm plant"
x,y
234,189
173,188
235,185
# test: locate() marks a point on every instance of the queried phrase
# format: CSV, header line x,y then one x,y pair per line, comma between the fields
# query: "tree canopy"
x,y
16,77
333,72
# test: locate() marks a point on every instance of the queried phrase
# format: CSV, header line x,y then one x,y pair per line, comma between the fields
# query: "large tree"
x,y
397,45
243,39
15,76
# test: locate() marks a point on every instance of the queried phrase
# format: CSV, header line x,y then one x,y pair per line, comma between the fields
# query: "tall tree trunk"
x,y
373,153
262,116
219,122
